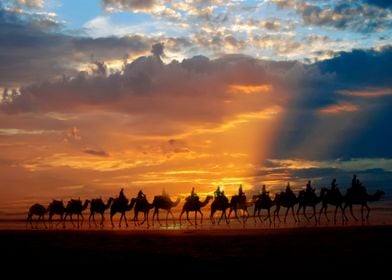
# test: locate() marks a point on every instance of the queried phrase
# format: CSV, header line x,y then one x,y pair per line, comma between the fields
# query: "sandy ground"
x,y
323,250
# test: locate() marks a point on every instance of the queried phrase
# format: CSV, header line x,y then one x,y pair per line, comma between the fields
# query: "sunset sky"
x,y
143,94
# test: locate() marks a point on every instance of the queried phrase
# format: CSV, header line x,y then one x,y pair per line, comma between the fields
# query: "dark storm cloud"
x,y
30,52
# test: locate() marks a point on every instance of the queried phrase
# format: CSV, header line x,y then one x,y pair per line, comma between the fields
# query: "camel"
x,y
263,201
142,205
74,206
308,198
164,202
333,197
56,207
360,197
220,203
121,206
194,205
287,200
39,210
98,206
239,203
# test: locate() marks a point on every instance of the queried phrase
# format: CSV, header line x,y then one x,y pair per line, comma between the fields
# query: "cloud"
x,y
32,3
33,54
355,16
131,5
94,152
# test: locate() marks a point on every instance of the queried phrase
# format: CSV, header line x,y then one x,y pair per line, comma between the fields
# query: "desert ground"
x,y
300,250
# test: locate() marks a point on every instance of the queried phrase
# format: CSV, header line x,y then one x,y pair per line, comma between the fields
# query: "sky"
x,y
152,94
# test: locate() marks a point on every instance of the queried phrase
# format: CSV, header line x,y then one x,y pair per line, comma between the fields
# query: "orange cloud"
x,y
339,108
371,92
249,89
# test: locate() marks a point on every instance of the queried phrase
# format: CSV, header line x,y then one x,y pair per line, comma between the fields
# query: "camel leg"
x,y
81,219
287,211
174,219
314,214
212,216
102,219
167,217
43,220
254,215
269,215
352,214
368,211
187,217
121,218
89,220
195,218
362,219
182,212
276,214
29,218
201,219
221,217
111,219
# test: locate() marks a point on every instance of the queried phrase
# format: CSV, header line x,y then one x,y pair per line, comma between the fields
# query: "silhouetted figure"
x,y
264,191
289,191
240,191
165,194
193,193
309,188
334,186
141,195
122,197
218,192
354,182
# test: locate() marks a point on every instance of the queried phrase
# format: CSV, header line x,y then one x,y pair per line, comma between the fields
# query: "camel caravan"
x,y
307,198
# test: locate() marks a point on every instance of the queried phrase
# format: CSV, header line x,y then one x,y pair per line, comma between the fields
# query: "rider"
x,y
334,186
264,191
240,192
164,193
193,196
288,188
309,188
218,192
141,195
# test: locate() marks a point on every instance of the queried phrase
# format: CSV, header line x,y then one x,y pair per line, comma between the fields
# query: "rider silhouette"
x,y
218,192
309,188
334,186
264,191
141,195
240,192
121,196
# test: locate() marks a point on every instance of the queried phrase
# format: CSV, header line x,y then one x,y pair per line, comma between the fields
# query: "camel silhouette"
x,y
287,200
164,202
335,198
38,210
263,201
239,203
121,206
74,206
308,199
360,197
142,205
194,205
98,206
56,207
220,203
